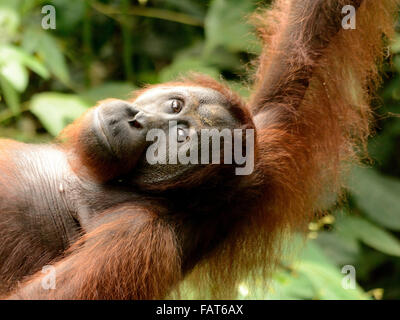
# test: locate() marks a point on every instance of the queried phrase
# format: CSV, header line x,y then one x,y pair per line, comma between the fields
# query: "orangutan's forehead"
x,y
193,93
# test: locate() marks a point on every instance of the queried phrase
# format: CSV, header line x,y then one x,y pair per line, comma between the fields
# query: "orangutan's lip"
x,y
101,131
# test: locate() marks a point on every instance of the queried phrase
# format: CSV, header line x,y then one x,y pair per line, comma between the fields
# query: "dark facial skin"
x,y
120,136
121,127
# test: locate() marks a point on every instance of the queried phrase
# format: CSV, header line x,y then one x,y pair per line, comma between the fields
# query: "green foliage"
x,y
107,48
56,110
184,65
372,235
226,25
312,275
378,197
49,51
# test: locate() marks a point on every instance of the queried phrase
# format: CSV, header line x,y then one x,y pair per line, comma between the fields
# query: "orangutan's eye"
x,y
176,105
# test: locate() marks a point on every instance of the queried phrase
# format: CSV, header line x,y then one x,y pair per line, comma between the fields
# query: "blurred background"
x,y
103,49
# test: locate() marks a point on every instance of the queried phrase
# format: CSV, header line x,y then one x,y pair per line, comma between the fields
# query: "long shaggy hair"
x,y
308,132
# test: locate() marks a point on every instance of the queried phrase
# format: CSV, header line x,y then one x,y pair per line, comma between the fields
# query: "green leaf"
x,y
192,7
396,63
8,52
226,25
240,88
16,74
53,57
224,59
117,90
34,64
286,286
184,65
395,45
313,276
48,49
325,277
381,147
10,95
327,282
373,236
9,20
30,40
341,248
69,14
56,110
377,196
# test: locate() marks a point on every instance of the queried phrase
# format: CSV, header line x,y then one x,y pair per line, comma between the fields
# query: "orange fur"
x,y
311,107
311,111
130,255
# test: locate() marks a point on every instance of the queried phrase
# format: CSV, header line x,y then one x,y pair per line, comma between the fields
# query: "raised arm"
x,y
312,99
130,254
301,30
